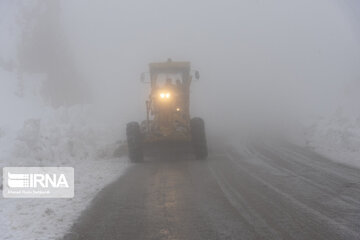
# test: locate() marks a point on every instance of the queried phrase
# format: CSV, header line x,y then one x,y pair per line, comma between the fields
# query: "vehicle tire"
x,y
198,138
134,141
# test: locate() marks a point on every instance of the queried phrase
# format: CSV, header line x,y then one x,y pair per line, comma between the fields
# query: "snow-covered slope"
x,y
32,133
337,135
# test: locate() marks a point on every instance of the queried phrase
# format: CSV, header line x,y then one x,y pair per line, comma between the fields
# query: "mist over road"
x,y
259,192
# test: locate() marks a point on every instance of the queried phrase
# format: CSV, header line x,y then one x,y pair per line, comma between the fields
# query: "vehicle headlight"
x,y
165,95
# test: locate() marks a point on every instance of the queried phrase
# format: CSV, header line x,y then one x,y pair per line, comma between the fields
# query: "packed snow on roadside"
x,y
57,142
337,135
34,134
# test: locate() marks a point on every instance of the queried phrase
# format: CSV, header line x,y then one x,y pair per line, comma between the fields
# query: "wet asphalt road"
x,y
257,192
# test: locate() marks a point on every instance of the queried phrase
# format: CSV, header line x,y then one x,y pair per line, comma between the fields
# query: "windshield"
x,y
165,78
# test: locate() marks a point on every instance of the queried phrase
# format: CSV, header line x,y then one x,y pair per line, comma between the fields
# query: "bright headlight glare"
x,y
165,95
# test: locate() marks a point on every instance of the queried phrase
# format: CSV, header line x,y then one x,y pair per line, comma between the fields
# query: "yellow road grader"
x,y
168,121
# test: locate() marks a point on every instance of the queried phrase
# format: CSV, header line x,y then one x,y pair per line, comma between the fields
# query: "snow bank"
x,y
51,218
34,134
63,137
337,136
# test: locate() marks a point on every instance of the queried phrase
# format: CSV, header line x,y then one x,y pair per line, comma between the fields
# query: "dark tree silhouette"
x,y
44,49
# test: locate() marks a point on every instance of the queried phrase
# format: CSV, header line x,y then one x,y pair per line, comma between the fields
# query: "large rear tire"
x,y
135,142
198,138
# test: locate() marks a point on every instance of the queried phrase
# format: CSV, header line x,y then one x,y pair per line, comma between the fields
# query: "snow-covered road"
x,y
255,191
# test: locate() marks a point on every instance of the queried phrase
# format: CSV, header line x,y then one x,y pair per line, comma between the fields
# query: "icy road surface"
x,y
259,192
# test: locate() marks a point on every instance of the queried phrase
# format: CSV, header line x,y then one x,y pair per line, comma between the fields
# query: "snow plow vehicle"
x,y
168,122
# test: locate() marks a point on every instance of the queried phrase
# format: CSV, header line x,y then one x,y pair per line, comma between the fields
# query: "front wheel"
x,y
134,141
198,138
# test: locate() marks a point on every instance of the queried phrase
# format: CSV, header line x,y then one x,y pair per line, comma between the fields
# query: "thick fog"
x,y
259,60
279,85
